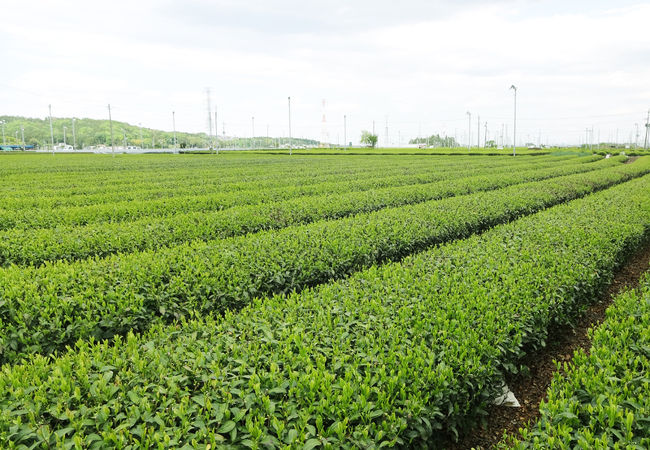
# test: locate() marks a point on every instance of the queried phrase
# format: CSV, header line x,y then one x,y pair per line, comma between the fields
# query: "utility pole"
x,y
209,106
469,131
216,134
110,120
64,141
74,135
4,139
647,127
174,125
586,138
485,134
51,129
502,143
345,130
514,131
141,140
124,137
386,144
478,132
22,134
253,132
289,99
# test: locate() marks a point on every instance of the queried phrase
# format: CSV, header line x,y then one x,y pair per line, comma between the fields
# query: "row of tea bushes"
x,y
35,246
46,308
397,355
602,400
279,189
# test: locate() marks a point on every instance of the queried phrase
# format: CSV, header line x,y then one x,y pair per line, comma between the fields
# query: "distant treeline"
x,y
435,140
93,133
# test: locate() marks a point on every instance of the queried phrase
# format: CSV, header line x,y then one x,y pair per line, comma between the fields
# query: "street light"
x,y
486,136
514,130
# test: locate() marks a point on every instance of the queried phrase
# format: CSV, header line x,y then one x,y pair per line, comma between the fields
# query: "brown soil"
x,y
631,159
531,390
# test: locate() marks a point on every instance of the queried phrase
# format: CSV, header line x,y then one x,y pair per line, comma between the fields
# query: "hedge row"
x,y
603,399
233,169
46,308
270,184
397,355
99,238
131,210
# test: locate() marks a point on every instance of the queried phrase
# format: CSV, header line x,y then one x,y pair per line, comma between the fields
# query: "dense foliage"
x,y
435,140
405,353
603,399
100,229
57,304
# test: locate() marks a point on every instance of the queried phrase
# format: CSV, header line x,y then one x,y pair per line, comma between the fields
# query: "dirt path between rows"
x,y
530,391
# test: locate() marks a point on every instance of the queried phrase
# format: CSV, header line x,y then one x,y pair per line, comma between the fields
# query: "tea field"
x,y
248,300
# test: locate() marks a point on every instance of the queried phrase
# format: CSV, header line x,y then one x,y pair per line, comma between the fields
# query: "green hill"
x,y
92,132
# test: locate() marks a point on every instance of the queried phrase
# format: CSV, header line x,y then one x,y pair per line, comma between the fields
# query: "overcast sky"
x,y
418,65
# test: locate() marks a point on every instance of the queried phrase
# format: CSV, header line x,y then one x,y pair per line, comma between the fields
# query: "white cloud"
x,y
421,64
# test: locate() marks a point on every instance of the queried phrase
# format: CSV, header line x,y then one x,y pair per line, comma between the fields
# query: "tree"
x,y
435,140
368,138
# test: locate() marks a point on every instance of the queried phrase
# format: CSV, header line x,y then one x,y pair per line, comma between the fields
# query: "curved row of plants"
x,y
91,183
44,309
35,246
132,210
602,400
228,167
397,355
172,183
64,167
274,185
